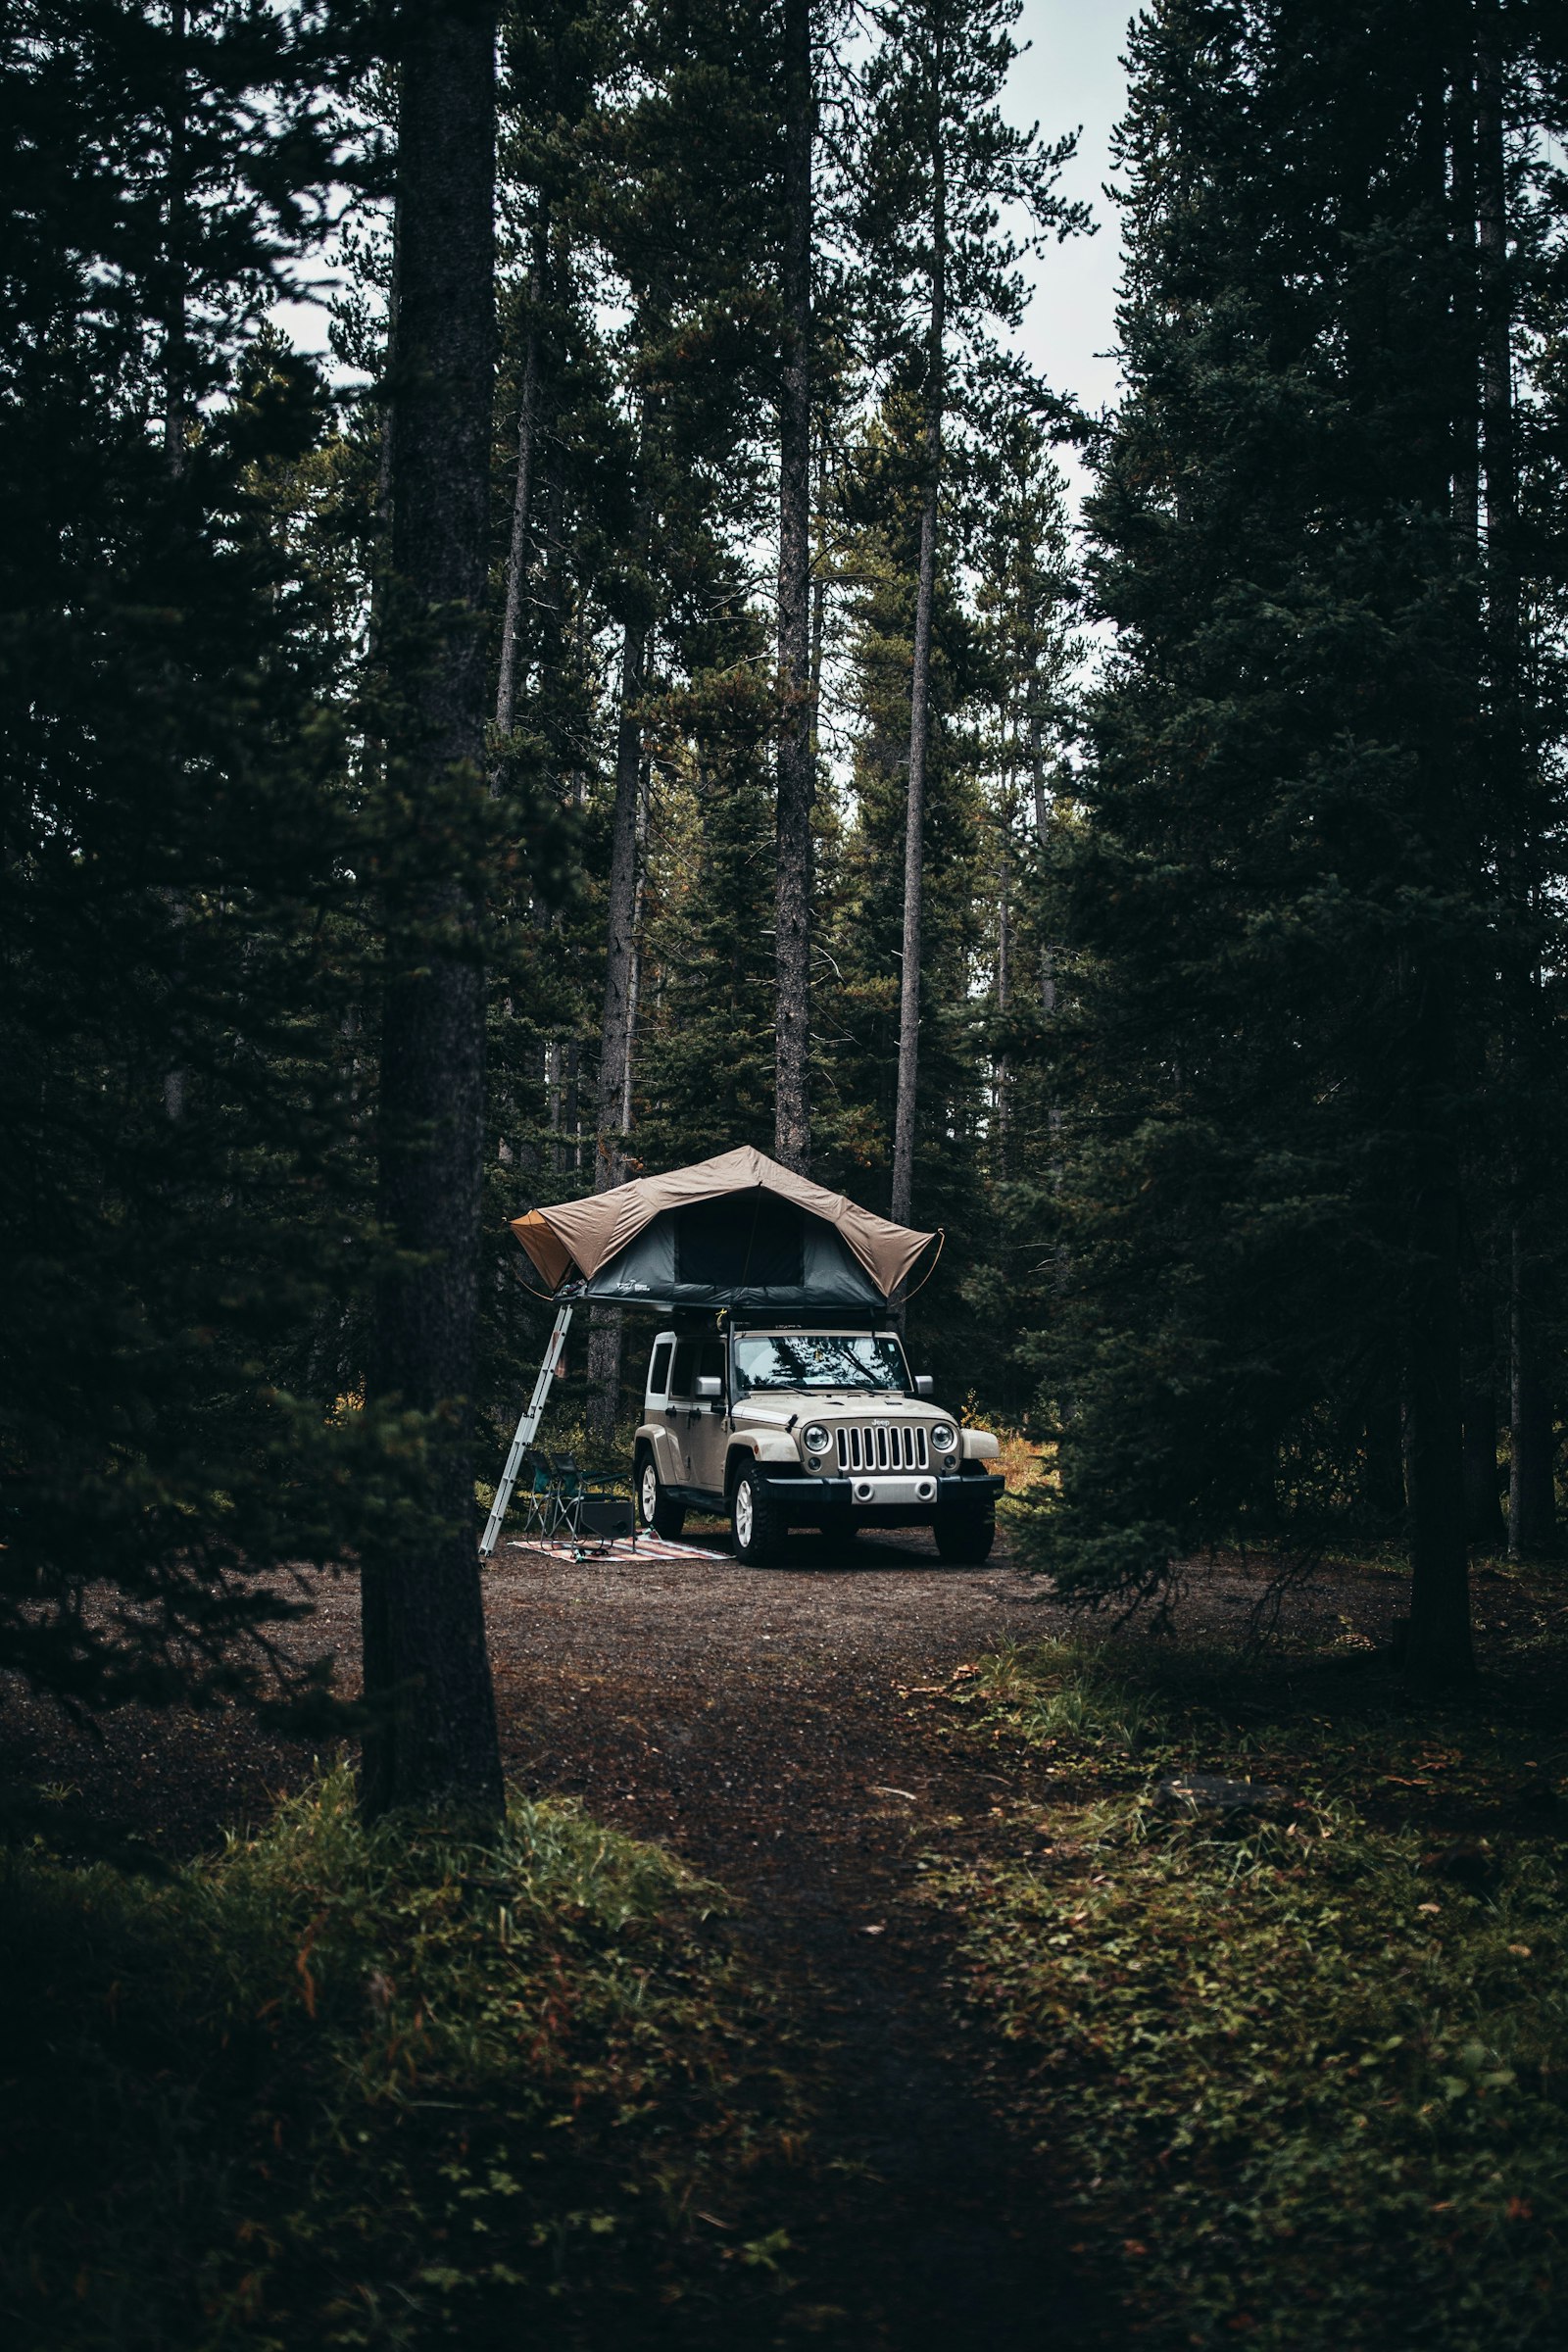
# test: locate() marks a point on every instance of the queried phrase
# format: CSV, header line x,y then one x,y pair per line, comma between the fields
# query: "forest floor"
x,y
790,1733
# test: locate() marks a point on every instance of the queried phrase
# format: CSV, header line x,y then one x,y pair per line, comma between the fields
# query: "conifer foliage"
x,y
179,1172
1295,901
642,693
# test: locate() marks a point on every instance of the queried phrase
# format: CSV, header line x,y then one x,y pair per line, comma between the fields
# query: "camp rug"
x,y
647,1548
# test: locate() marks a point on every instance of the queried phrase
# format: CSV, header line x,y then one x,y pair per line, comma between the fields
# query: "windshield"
x,y
818,1359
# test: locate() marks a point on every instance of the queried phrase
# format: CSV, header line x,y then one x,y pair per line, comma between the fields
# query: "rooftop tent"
x,y
738,1231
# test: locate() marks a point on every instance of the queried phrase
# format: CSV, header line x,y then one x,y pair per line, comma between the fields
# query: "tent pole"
x,y
526,1431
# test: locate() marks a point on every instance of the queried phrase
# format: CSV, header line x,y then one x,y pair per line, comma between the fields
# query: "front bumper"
x,y
881,1500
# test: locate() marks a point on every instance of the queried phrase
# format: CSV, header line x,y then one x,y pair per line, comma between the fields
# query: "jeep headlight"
x,y
814,1438
943,1436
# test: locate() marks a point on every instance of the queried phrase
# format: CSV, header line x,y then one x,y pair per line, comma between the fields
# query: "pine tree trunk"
x,y
522,488
426,1669
1532,1437
792,1119
919,715
1383,1488
616,1025
1484,1516
571,1103
1484,1523
610,1160
1037,764
634,976
1440,1653
175,353
605,1336
1482,1503
1004,1001
176,362
1531,1500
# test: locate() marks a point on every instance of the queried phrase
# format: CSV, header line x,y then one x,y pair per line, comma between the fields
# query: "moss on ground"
x,y
391,2086
1306,2080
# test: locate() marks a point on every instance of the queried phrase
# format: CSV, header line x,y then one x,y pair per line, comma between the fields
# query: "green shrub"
x,y
1312,2083
391,2086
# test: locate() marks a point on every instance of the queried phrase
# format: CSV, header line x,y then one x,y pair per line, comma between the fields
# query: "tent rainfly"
x,y
739,1231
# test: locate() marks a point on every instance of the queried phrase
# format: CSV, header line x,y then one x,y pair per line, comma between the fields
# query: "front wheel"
x,y
964,1537
758,1522
660,1516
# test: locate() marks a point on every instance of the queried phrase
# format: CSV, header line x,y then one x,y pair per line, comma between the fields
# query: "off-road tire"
x,y
657,1514
964,1536
759,1523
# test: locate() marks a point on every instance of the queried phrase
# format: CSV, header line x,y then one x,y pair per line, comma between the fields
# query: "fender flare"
x,y
649,1434
759,1445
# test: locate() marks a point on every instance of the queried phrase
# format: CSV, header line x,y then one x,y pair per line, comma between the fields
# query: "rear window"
x,y
659,1369
745,1241
695,1356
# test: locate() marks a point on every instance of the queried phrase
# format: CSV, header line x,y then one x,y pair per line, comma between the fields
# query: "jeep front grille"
x,y
882,1445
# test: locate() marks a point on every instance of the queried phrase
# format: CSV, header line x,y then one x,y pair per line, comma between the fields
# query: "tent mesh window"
x,y
746,1239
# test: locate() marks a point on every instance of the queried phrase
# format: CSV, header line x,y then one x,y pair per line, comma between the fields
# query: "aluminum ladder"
x,y
527,1429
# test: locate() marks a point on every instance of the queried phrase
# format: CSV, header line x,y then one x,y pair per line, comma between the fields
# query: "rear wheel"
x,y
655,1512
964,1537
757,1519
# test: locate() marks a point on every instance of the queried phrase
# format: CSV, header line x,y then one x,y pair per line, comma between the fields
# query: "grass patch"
x,y
1023,1461
1311,2079
340,2086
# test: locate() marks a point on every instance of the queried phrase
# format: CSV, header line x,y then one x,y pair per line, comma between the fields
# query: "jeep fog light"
x,y
863,1490
814,1438
925,1490
943,1436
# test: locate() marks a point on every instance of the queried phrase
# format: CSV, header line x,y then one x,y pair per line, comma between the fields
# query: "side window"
x,y
712,1366
683,1378
658,1370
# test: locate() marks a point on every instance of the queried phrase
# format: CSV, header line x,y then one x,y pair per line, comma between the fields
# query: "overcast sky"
x,y
1072,74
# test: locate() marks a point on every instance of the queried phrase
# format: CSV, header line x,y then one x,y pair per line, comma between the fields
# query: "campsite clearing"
x,y
791,1734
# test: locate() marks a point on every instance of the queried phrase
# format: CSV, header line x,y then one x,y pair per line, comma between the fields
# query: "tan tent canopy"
x,y
589,1235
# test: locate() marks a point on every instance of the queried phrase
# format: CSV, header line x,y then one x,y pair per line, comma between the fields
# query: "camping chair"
x,y
588,1510
539,1495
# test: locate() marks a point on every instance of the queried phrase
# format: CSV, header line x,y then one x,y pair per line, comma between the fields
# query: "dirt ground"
x,y
777,1728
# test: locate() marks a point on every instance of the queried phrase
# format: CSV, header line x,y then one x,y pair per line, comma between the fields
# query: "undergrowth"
x,y
1309,2077
391,2086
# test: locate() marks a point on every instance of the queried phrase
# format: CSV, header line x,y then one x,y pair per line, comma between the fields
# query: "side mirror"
x,y
924,1385
709,1384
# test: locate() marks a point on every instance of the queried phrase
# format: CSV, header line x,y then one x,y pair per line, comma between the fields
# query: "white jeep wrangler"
x,y
783,1425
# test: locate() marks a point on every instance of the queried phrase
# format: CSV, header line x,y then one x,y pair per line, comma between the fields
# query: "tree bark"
x,y
797,778
1532,1506
1440,1653
1037,755
522,488
1484,1520
176,328
1003,1079
1383,1486
609,1154
175,402
1484,1523
610,1157
635,974
919,708
432,1743
1532,1436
